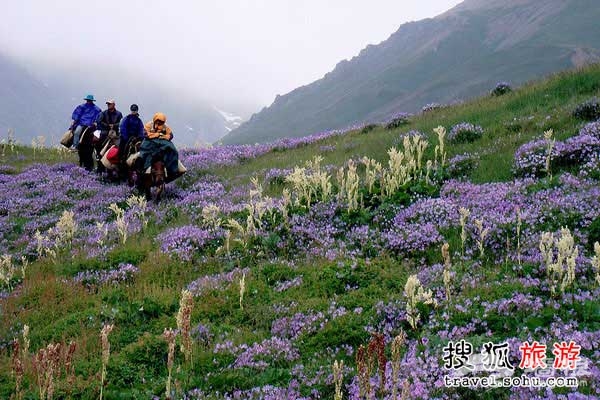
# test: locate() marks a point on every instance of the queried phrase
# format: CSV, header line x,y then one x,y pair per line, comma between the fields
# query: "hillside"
x,y
253,279
450,58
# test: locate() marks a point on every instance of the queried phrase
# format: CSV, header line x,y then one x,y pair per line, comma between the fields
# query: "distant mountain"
x,y
39,100
457,55
232,121
27,105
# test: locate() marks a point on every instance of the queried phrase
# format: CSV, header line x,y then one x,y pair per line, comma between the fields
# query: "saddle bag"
x,y
109,160
67,139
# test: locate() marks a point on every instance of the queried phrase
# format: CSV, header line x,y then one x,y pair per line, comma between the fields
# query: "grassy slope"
x,y
142,310
509,121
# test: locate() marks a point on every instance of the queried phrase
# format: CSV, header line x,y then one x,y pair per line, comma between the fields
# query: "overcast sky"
x,y
221,49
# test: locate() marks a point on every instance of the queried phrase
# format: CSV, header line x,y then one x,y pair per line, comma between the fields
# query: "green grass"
x,y
57,311
21,156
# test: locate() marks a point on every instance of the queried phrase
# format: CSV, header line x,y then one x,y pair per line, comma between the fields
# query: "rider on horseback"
x,y
132,131
158,144
83,126
108,122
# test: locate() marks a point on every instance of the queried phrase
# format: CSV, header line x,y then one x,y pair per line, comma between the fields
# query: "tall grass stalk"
x,y
106,330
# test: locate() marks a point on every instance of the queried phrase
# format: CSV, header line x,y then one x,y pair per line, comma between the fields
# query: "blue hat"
x,y
89,97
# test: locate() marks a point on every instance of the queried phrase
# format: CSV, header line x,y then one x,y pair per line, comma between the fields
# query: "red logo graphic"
x,y
567,355
533,355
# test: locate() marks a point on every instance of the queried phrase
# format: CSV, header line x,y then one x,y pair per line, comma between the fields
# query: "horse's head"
x,y
136,145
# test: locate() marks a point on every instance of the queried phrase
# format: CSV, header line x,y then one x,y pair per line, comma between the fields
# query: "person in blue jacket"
x,y
84,116
132,129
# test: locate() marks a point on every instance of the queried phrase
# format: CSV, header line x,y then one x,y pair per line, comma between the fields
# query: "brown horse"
x,y
154,179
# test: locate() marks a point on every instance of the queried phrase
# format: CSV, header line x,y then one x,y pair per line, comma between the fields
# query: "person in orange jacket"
x,y
158,143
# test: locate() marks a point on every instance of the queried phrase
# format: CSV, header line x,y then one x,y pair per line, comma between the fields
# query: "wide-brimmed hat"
x,y
89,97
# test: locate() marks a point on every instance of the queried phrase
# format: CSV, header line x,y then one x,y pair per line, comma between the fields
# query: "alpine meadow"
x,y
344,265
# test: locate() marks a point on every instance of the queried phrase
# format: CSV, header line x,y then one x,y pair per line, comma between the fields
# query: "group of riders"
x,y
134,146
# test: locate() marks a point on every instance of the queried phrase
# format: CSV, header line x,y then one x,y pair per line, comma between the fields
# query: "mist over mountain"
x,y
455,56
38,100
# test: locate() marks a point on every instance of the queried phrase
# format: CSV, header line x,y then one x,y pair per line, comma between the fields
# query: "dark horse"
x,y
154,179
145,181
86,149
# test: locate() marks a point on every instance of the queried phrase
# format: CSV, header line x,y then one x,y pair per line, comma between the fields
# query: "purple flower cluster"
x,y
123,274
285,285
260,355
276,175
364,239
591,129
408,238
530,158
501,88
7,170
202,334
38,196
465,132
462,164
430,107
267,392
397,120
589,111
298,324
305,323
216,282
206,158
185,241
389,318
519,302
582,149
316,230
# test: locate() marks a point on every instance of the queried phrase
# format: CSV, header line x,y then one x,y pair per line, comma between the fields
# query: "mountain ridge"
x,y
454,56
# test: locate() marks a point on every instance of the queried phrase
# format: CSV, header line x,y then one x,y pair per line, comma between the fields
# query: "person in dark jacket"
x,y
131,130
108,121
84,116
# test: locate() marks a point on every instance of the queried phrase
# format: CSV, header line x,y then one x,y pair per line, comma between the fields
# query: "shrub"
x,y
465,133
588,111
461,165
430,107
397,120
368,128
501,89
530,158
591,129
578,150
276,176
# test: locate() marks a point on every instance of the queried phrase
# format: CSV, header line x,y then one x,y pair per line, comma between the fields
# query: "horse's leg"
x,y
85,156
159,192
130,177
